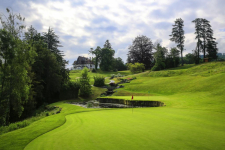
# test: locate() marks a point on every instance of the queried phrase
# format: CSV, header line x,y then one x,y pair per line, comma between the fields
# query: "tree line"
x,y
104,58
32,69
141,50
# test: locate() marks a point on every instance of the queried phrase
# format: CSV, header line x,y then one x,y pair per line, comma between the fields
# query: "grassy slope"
x,y
204,90
180,125
75,74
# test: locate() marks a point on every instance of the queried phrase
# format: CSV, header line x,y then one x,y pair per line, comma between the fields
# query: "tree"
x,y
178,36
160,57
85,86
53,43
119,64
97,52
211,49
206,42
107,59
13,23
189,58
199,35
141,51
174,54
107,45
15,82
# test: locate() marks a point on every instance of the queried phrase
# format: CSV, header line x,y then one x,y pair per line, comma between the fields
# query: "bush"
x,y
99,81
70,90
85,86
136,68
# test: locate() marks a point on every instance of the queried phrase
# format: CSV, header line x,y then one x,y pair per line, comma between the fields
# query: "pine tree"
x,y
178,36
199,34
107,45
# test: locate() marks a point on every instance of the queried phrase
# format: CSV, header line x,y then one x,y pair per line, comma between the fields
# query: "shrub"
x,y
136,68
99,81
12,126
85,86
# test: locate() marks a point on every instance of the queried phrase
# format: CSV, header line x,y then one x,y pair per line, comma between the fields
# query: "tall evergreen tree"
x,y
178,35
53,43
141,51
207,34
107,45
199,34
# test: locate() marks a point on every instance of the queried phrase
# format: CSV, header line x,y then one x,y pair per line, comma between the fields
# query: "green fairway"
x,y
145,128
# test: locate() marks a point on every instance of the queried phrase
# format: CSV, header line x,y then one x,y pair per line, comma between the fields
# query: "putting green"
x,y
145,128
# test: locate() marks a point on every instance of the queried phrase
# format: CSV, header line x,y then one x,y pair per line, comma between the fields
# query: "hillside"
x,y
193,117
191,86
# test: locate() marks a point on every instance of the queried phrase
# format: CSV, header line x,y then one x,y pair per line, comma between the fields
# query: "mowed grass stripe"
x,y
145,128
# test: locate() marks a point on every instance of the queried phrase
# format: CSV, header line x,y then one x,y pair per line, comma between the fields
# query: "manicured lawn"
x,y
145,128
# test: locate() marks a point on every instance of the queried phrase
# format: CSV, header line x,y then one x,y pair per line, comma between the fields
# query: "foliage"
x,y
206,43
159,57
70,90
99,81
136,68
141,51
107,59
85,86
198,32
97,53
15,82
118,64
13,23
178,36
189,58
107,45
172,59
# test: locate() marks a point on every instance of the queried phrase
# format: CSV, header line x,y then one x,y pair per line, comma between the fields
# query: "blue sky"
x,y
83,24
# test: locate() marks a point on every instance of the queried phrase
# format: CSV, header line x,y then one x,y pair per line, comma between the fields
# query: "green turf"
x,y
145,128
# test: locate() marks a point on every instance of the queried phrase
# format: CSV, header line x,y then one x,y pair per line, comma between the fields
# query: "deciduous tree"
x,y
141,51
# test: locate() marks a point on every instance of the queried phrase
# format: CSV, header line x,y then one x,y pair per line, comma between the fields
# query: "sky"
x,y
85,24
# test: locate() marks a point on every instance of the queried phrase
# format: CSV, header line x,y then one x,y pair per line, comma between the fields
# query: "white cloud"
x,y
82,24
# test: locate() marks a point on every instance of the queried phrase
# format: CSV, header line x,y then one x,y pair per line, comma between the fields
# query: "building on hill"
x,y
83,62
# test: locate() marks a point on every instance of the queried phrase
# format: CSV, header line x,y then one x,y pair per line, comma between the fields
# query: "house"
x,y
83,62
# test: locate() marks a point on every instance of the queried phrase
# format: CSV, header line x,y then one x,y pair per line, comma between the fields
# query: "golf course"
x,y
193,115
